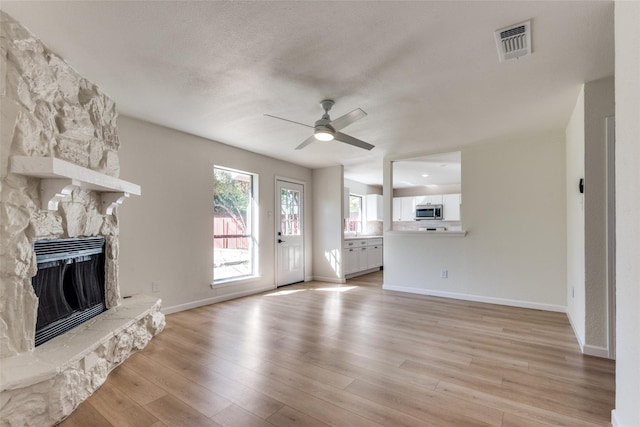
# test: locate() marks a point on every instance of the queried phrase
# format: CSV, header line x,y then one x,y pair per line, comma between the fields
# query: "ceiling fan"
x,y
326,129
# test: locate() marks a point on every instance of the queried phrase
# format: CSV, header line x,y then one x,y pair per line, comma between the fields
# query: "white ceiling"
x,y
427,73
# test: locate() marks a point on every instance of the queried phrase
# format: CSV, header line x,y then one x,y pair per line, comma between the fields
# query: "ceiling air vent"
x,y
514,41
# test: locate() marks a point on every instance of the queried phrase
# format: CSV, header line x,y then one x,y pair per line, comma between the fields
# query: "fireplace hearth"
x,y
69,284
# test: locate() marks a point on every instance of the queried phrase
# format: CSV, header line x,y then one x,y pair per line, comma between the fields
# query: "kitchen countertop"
x,y
361,237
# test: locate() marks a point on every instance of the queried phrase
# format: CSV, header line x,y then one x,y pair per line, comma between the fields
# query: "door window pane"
x,y
289,212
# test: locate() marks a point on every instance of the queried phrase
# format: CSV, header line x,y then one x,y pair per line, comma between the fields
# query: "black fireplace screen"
x,y
69,284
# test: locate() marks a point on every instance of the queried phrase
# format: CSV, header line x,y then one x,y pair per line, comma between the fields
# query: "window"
x,y
356,217
234,248
290,212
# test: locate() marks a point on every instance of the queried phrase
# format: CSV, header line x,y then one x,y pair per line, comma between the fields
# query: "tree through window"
x,y
233,240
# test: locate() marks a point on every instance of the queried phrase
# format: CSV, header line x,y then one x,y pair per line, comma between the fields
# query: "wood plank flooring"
x,y
320,354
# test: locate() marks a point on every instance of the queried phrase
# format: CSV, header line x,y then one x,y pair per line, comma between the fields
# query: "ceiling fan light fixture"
x,y
323,134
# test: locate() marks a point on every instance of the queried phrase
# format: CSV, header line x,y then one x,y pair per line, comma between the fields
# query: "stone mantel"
x,y
60,177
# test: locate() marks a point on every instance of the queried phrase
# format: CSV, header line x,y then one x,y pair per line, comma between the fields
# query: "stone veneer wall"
x,y
48,109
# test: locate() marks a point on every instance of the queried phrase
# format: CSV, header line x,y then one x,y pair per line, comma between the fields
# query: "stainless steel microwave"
x,y
428,212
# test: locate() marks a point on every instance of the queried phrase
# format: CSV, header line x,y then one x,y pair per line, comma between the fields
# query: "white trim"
x,y
575,332
478,298
235,281
291,180
592,350
214,300
328,279
614,419
611,238
363,272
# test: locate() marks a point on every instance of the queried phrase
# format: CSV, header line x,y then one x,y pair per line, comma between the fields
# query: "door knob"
x,y
280,241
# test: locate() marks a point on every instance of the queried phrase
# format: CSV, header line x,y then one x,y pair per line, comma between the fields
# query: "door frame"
x,y
276,225
611,234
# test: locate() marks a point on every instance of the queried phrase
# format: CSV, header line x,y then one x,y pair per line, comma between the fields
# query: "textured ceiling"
x,y
427,73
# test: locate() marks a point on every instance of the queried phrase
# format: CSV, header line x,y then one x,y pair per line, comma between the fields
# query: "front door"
x,y
290,233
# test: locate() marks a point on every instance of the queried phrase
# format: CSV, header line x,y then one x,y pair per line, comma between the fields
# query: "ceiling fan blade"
x,y
306,142
287,120
352,141
344,121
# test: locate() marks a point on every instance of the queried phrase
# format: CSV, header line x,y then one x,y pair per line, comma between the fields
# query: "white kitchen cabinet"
x,y
351,260
362,256
435,199
404,209
451,207
374,256
396,214
408,209
374,207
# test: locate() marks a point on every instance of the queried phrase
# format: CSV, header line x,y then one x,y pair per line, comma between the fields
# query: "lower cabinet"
x,y
374,256
362,255
351,260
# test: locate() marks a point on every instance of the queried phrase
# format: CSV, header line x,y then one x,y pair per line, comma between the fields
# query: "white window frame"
x,y
253,225
361,223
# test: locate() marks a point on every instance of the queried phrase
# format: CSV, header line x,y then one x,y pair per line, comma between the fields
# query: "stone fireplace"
x,y
59,192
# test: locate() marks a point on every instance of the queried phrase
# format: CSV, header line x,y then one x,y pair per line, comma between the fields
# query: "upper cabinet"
x,y
404,208
429,200
374,207
451,207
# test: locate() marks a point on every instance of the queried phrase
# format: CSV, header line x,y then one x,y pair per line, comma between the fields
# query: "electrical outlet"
x,y
155,287
444,274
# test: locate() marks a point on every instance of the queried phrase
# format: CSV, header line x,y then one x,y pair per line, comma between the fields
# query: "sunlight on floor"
x,y
287,292
326,289
336,289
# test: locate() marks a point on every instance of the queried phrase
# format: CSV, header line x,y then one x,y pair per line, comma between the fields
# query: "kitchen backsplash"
x,y
373,228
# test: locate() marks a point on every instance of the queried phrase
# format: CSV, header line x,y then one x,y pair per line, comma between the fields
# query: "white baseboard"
x,y
478,298
213,300
362,273
328,279
596,351
614,420
575,332
587,349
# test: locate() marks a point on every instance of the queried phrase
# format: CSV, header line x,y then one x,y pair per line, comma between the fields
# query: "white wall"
x,y
166,234
598,105
514,211
627,36
328,186
575,219
360,188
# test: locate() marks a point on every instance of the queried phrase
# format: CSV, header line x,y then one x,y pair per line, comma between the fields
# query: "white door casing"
x,y
289,232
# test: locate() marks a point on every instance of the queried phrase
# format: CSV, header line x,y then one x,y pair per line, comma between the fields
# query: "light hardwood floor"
x,y
354,355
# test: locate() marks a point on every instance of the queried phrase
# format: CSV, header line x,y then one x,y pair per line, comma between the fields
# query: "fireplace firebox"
x,y
69,284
